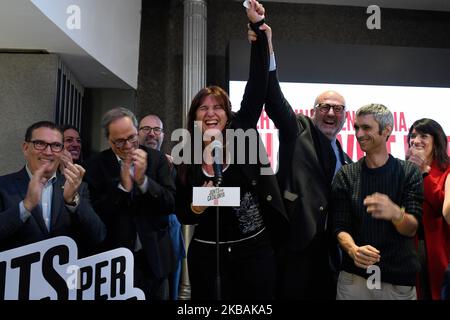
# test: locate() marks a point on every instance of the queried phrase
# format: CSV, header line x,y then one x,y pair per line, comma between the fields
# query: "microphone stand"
x,y
217,166
218,182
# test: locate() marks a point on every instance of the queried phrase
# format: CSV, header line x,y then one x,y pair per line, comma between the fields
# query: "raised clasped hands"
x,y
255,12
417,156
137,158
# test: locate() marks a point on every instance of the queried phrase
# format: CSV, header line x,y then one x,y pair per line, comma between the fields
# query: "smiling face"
x,y
123,137
37,158
367,131
72,143
212,115
423,142
148,137
329,122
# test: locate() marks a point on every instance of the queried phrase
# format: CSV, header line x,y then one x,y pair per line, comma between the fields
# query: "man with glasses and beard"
x,y
133,192
39,202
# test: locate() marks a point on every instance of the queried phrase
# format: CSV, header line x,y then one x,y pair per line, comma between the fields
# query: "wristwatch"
x,y
75,201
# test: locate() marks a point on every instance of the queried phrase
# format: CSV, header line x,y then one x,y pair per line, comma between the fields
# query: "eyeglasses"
x,y
120,143
42,145
156,130
325,108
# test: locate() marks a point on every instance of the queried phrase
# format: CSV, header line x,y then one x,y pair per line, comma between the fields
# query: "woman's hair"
x,y
190,171
221,97
431,127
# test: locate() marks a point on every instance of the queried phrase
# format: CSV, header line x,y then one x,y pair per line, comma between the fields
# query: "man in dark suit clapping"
x,y
38,202
133,192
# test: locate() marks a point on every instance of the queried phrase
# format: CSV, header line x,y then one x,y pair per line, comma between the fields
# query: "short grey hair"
x,y
380,112
114,114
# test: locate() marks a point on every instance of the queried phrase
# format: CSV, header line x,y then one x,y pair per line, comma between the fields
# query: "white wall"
x,y
109,31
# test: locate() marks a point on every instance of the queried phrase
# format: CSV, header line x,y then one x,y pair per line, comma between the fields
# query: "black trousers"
x,y
154,288
307,274
247,269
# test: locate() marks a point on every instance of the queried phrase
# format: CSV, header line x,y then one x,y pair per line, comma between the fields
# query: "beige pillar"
x,y
194,78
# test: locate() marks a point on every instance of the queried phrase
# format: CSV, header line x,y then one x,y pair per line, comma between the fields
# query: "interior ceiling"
x,y
26,29
433,5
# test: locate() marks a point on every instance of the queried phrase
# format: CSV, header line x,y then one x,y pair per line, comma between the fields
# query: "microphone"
x,y
217,153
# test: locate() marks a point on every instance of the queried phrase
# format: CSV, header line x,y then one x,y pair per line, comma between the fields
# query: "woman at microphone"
x,y
248,233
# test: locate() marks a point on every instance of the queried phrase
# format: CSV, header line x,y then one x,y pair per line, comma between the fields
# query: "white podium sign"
x,y
216,196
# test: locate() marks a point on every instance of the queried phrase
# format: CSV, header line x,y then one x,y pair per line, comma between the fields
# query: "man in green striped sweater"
x,y
377,207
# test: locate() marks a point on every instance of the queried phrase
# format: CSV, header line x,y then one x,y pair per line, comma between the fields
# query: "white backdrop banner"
x,y
407,104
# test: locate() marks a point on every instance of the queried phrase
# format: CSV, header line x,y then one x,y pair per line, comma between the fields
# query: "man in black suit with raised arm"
x,y
133,192
309,156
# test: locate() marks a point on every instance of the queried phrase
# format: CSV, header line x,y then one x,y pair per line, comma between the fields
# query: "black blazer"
x,y
306,168
127,213
83,225
246,118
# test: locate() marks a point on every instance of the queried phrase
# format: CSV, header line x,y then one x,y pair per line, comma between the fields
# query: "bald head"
x,y
154,119
151,132
326,119
329,95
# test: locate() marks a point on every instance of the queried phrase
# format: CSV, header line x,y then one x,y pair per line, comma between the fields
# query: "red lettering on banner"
x,y
399,122
351,144
402,122
389,141
264,122
305,112
339,138
269,146
348,126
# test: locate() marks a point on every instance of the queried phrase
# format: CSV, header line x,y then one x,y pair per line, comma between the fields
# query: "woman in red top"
x,y
428,149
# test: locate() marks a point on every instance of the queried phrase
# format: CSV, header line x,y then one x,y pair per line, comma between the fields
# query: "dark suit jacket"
x,y
306,168
127,213
83,225
246,118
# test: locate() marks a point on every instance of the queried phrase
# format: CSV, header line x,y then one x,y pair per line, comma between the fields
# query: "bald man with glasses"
x,y
151,132
133,192
309,157
39,202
